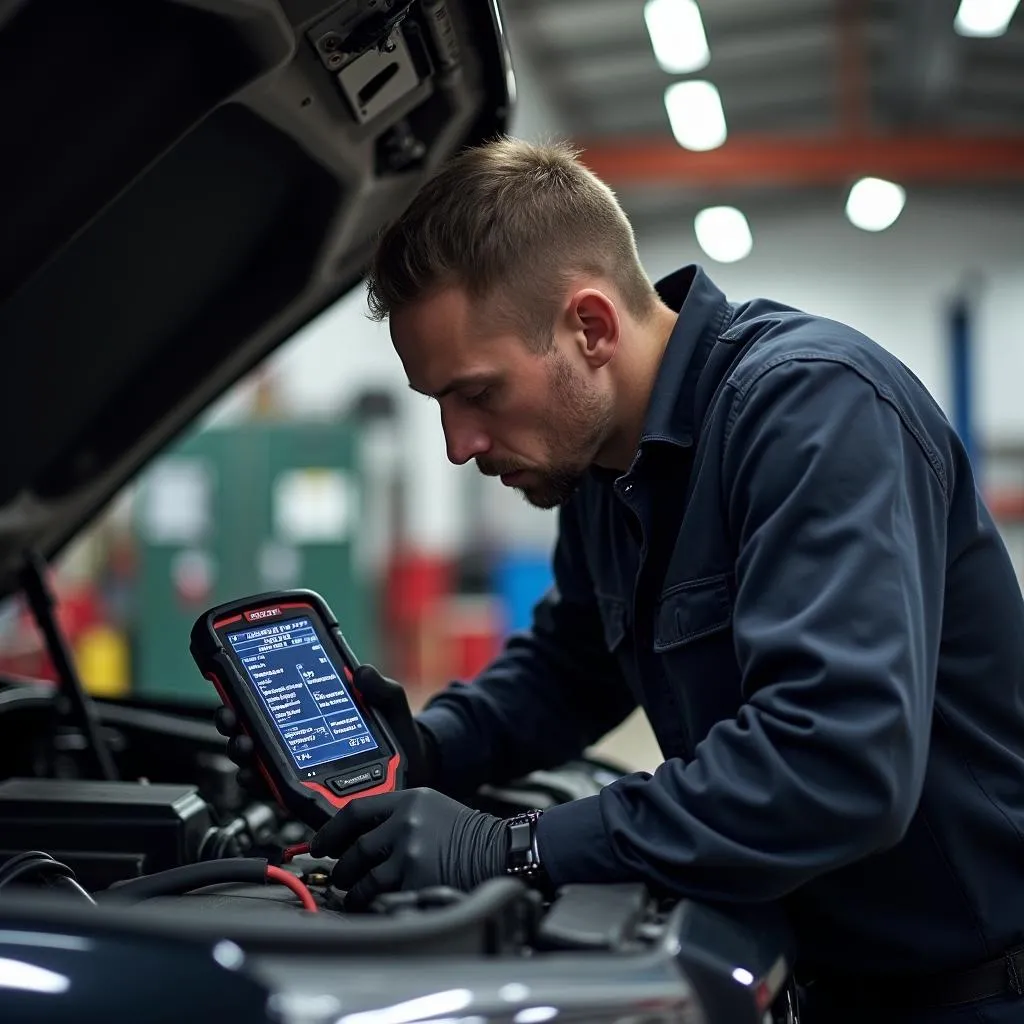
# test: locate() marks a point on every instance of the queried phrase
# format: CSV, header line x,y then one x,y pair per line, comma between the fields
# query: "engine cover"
x,y
104,831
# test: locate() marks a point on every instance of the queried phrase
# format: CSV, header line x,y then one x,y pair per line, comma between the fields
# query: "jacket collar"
x,y
703,311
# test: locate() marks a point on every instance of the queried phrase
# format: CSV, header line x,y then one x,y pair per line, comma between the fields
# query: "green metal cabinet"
x,y
236,510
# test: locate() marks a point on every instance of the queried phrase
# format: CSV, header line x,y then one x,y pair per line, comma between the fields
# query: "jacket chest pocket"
x,y
691,610
693,645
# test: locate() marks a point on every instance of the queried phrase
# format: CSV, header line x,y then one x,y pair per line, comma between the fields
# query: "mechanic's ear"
x,y
595,323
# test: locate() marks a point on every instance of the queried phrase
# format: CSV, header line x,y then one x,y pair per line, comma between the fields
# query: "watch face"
x,y
520,835
523,858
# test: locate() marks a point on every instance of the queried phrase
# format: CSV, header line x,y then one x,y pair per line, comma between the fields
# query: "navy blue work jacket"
x,y
800,585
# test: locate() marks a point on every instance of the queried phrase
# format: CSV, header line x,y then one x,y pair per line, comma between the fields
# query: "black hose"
x,y
71,884
250,870
57,875
42,866
20,858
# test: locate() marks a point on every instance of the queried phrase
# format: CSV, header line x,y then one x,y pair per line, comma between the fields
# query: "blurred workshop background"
x,y
863,159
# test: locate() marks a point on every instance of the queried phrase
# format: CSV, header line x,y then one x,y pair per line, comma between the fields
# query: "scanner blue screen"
x,y
306,699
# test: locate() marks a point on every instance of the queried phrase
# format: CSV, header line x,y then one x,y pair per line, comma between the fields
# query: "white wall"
x,y
893,286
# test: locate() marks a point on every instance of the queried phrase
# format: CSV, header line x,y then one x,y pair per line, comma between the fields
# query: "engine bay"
x,y
162,856
118,838
112,834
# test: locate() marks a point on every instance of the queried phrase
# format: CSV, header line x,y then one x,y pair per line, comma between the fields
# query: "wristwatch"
x,y
523,856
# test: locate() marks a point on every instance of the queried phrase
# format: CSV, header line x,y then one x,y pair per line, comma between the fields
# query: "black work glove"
x,y
389,698
240,750
384,694
413,839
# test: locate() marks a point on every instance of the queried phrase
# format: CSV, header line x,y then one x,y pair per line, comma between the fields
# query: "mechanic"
x,y
771,540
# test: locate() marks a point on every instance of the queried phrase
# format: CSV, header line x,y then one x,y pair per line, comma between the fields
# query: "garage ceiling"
x,y
816,93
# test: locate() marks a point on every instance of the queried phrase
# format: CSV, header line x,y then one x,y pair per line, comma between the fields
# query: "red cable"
x,y
291,852
296,885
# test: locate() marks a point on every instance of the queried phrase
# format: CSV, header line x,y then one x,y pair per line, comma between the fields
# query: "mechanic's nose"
x,y
464,440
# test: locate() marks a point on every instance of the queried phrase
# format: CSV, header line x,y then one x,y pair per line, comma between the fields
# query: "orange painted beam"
x,y
808,161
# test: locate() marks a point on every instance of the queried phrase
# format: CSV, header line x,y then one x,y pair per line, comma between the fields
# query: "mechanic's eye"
x,y
481,397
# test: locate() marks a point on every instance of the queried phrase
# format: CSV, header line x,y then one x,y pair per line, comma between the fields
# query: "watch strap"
x,y
523,855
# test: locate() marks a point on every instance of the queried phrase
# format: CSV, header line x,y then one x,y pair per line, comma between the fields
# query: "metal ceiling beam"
x,y
746,51
803,162
853,90
924,63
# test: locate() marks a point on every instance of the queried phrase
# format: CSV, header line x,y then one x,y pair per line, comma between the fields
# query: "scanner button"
x,y
343,783
377,772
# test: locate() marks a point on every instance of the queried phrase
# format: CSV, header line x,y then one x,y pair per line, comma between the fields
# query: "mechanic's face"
x,y
537,420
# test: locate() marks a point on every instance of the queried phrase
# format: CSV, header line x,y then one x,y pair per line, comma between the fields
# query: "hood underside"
x,y
188,182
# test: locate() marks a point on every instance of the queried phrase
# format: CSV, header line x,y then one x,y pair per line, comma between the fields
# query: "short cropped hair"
x,y
509,221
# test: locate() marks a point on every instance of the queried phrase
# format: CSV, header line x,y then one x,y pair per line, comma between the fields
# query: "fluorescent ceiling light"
x,y
984,18
724,234
696,115
677,35
874,204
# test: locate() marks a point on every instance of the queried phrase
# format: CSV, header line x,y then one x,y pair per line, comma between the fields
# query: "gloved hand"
x,y
385,694
240,750
410,840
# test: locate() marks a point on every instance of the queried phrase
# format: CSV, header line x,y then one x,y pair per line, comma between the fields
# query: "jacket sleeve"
x,y
552,692
839,515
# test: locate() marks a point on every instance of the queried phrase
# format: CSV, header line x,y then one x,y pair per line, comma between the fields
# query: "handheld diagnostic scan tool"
x,y
280,662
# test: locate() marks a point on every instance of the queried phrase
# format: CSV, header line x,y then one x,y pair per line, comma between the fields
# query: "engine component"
x,y
594,917
104,831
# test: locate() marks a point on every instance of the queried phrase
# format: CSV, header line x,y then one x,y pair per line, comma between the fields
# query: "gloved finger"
x,y
368,852
225,721
351,822
240,749
382,693
387,877
252,782
392,701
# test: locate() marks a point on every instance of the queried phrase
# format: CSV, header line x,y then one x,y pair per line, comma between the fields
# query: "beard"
x,y
578,426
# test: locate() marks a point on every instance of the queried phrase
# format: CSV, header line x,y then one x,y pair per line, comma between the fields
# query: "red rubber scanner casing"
x,y
312,793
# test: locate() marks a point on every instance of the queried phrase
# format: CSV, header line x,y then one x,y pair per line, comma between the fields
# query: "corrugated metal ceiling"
x,y
784,68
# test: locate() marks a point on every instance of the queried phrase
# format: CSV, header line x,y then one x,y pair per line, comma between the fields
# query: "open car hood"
x,y
187,182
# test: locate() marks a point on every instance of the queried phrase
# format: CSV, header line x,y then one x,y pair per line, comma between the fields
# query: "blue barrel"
x,y
520,580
